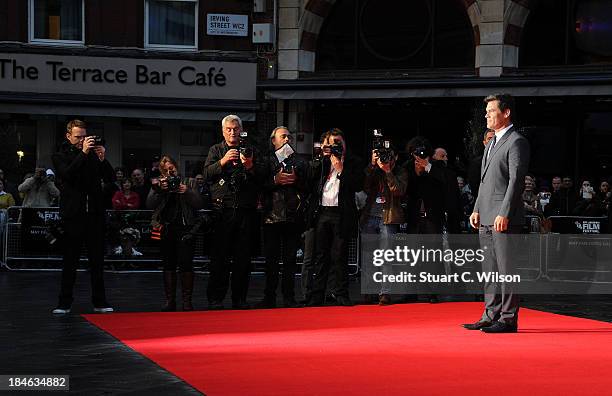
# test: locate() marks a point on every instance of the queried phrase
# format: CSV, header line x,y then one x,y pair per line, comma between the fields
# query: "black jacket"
x,y
452,199
187,206
351,181
80,177
562,203
286,202
431,189
232,186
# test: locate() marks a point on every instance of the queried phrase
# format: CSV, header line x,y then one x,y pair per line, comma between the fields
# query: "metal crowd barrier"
x,y
25,244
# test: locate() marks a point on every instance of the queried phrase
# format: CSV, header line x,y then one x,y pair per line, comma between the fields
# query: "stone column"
x,y
500,27
288,39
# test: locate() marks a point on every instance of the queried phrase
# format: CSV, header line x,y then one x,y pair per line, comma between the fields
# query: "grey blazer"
x,y
502,179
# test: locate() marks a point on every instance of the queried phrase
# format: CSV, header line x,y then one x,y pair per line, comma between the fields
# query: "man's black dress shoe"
x,y
481,324
500,327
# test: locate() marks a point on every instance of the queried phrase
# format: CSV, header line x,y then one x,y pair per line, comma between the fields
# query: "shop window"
x,y
386,34
566,33
57,22
171,24
141,146
18,149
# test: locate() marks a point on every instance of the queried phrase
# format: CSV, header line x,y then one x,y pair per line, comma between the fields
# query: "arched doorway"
x,y
386,34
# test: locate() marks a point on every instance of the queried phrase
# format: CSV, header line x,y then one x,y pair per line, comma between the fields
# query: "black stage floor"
x,y
33,341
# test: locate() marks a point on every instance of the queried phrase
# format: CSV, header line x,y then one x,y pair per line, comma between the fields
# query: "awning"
x,y
128,107
307,89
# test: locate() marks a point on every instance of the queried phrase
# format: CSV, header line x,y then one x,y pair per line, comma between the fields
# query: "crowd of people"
x,y
325,201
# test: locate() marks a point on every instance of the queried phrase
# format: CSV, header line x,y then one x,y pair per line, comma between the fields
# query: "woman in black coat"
x,y
175,217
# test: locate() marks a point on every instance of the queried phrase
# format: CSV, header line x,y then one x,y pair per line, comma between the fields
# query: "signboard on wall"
x,y
162,78
227,25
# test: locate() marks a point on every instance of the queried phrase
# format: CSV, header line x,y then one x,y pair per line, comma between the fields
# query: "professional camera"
x,y
40,175
421,152
317,151
174,182
245,148
382,147
336,149
99,140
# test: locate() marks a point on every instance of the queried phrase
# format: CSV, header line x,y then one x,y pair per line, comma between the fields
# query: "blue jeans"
x,y
376,226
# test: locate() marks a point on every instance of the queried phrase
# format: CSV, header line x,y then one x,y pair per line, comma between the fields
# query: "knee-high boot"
x,y
170,291
187,290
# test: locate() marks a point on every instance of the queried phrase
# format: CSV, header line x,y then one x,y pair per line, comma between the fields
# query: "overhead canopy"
x,y
307,89
128,107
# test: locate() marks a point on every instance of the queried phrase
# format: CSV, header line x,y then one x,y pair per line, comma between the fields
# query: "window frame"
x,y
167,47
71,43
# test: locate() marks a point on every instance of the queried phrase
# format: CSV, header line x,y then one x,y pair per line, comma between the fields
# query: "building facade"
x,y
422,68
156,76
150,76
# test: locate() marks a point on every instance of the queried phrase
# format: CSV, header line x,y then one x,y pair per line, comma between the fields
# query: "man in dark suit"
x,y
425,200
498,211
81,166
452,209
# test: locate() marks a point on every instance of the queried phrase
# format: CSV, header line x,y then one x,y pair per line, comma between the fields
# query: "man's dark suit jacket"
x,y
431,188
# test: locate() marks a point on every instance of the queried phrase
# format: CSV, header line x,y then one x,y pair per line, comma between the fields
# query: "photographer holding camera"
x,y
40,190
284,192
81,166
333,214
425,194
385,185
234,173
175,217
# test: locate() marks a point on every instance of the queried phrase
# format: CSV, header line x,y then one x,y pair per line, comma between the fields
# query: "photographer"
x,y
385,185
81,167
234,173
425,195
176,218
333,214
40,191
284,191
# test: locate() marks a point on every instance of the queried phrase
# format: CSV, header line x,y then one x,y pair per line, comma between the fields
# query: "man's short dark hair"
x,y
506,101
75,124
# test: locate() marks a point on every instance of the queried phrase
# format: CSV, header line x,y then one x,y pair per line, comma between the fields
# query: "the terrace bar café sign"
x,y
127,77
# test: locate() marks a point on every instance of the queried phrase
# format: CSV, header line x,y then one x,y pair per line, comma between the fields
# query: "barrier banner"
x,y
473,264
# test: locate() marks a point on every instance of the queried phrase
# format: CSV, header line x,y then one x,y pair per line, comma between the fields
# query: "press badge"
x,y
221,182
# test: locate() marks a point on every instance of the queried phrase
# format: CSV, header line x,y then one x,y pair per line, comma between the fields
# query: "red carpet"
x,y
413,349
